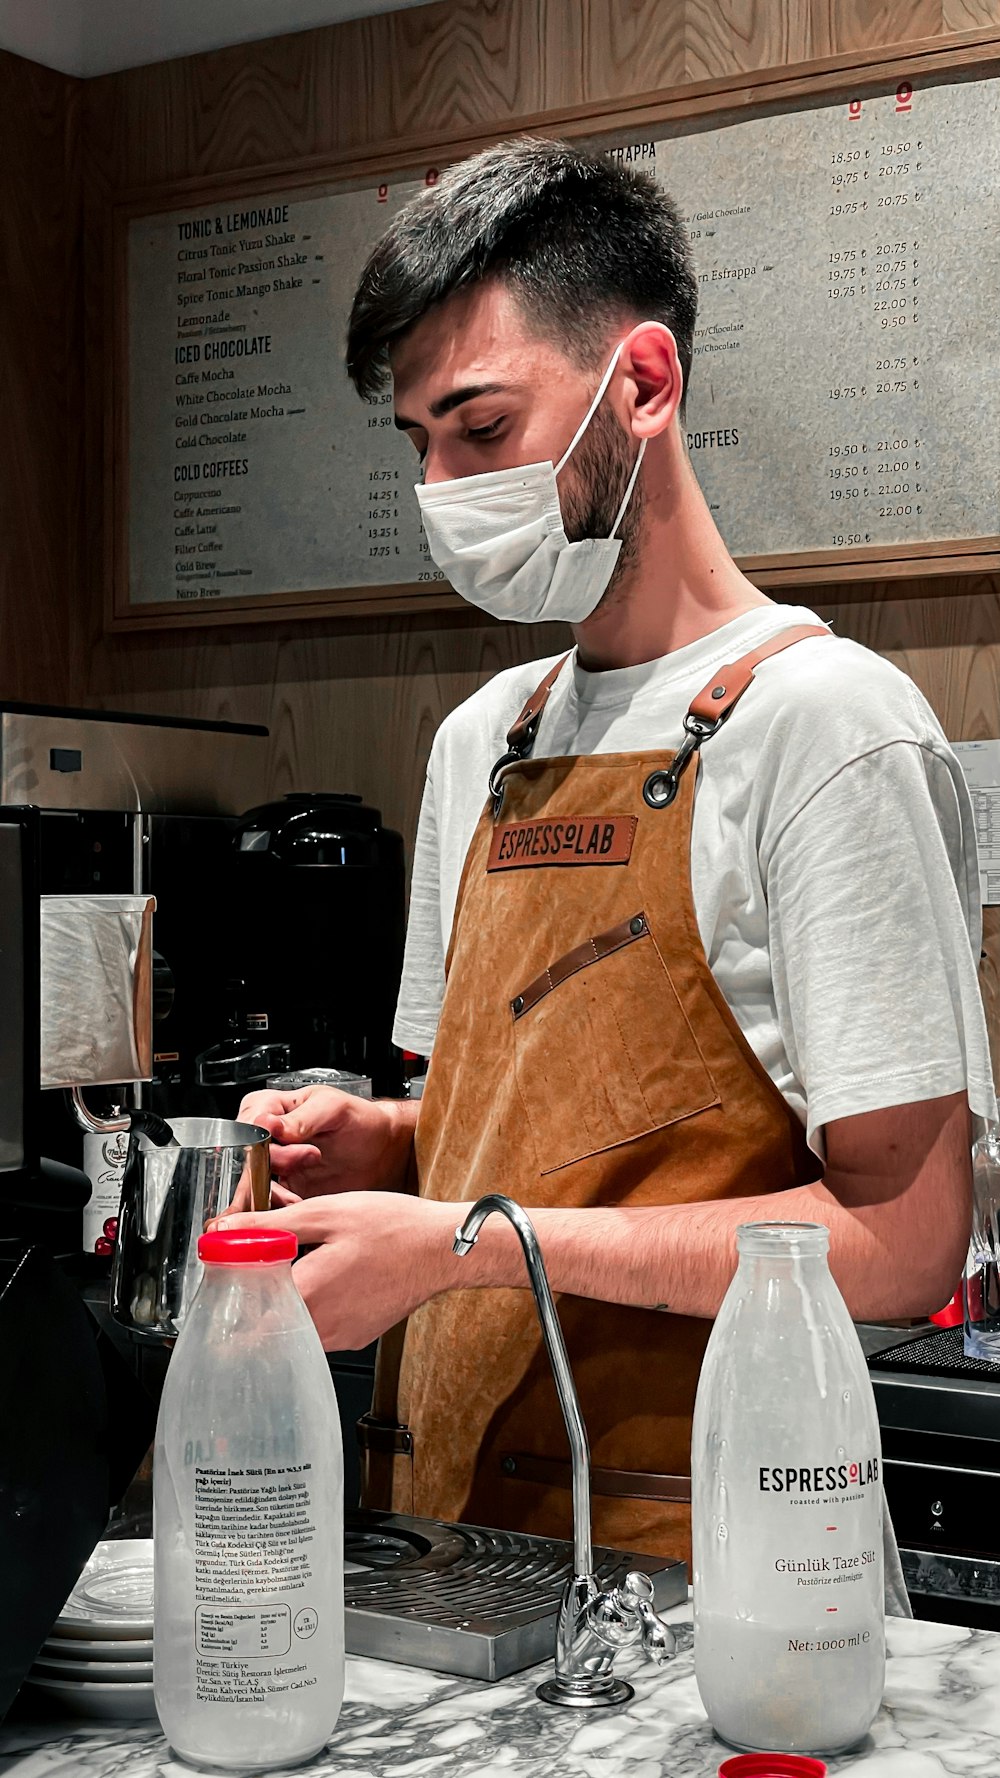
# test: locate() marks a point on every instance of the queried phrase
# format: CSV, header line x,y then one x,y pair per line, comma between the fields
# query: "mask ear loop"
x,y
591,411
633,478
581,429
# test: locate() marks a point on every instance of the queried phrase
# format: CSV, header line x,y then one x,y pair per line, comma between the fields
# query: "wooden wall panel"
x,y
493,43
40,383
350,707
968,15
234,108
354,704
464,64
614,49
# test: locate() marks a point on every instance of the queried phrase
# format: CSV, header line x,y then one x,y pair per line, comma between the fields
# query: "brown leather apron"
x,y
586,1057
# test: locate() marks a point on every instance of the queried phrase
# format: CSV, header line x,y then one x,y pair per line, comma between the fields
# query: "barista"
x,y
674,973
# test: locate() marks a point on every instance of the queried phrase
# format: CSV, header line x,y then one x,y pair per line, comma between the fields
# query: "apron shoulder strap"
x,y
708,711
705,714
525,728
521,734
716,699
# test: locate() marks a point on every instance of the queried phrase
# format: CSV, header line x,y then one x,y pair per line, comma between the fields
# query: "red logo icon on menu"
x,y
854,110
904,96
383,194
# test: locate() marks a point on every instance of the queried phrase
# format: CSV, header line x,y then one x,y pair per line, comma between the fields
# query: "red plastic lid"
x,y
772,1765
953,1313
247,1247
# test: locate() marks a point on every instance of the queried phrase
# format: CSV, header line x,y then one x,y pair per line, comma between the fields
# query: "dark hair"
x,y
583,242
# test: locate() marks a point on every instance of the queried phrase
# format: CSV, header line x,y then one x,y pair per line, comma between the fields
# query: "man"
x,y
699,972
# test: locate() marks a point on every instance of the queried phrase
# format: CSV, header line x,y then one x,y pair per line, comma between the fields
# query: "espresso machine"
x,y
157,806
135,899
75,1419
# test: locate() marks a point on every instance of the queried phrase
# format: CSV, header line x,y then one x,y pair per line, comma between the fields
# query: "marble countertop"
x,y
940,1719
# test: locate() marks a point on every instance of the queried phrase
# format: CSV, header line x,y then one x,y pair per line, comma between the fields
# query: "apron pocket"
x,y
603,1049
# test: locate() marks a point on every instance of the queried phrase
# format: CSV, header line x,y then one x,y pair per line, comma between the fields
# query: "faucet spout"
x,y
593,1623
465,1239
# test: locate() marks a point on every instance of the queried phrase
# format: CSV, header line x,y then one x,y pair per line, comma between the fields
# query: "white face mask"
x,y
500,540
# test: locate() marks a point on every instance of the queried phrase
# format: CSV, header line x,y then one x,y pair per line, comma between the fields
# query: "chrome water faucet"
x,y
594,1623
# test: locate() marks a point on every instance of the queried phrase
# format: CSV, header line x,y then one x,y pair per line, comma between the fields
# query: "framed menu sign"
x,y
255,472
844,409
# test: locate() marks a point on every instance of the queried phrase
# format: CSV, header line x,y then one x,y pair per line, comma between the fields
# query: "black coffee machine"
x,y
277,942
309,949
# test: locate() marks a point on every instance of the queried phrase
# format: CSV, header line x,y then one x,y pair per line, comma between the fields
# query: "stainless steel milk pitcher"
x,y
169,1193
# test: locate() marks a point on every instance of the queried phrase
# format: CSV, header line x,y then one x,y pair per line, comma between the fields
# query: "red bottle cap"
x,y
772,1765
247,1247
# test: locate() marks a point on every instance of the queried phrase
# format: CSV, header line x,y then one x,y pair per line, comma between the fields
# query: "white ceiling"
x,y
98,36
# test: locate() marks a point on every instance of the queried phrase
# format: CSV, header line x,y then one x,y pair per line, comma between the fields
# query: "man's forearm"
x,y
682,1257
398,1172
896,1199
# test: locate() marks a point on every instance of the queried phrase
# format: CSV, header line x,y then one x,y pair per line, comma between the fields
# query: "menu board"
x,y
845,389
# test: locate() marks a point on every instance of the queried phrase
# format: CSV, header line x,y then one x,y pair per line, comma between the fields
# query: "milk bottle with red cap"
x,y
248,1651
787,1506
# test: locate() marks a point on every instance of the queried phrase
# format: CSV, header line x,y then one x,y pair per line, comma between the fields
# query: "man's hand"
x,y
376,1256
323,1140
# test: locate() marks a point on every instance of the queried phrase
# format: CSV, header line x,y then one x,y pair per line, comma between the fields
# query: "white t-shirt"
x,y
833,859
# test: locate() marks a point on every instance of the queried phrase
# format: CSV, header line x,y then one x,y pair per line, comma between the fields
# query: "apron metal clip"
x,y
496,778
662,786
518,750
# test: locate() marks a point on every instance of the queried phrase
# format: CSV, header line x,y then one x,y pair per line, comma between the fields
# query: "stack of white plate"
x,y
98,1660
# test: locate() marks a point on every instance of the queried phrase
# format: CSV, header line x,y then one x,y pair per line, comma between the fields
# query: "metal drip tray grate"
x,y
462,1599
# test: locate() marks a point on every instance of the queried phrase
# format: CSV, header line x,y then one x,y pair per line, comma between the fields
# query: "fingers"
x,y
316,1111
280,1194
258,1105
242,1202
273,1104
310,1221
295,1158
241,1199
250,1219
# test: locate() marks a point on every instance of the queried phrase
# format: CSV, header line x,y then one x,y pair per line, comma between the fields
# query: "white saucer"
x,y
114,1595
77,1648
96,1672
126,1703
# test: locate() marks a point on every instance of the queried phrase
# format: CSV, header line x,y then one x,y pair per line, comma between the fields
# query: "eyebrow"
x,y
448,403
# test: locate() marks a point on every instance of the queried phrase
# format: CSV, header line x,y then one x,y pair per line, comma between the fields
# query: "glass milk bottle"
x,y
981,1284
248,1608
787,1507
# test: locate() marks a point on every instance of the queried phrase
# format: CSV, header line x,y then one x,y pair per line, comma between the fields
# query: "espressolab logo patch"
x,y
586,839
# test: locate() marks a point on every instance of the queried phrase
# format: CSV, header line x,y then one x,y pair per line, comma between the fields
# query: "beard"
x,y
603,461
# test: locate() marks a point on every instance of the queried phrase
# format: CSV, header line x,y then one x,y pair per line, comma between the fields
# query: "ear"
x,y
654,382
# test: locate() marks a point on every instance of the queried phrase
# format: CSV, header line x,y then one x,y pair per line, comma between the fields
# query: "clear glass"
x,y
783,1240
787,1507
981,1284
248,1648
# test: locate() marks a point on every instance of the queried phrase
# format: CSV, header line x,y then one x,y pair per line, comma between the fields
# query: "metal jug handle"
x,y
127,1211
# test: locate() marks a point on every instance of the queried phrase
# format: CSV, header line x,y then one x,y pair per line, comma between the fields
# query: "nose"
x,y
432,469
